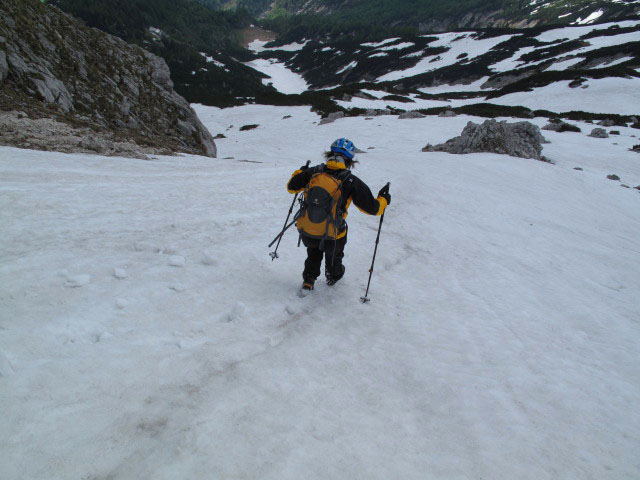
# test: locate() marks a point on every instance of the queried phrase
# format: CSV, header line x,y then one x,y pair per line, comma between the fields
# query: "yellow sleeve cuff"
x,y
383,205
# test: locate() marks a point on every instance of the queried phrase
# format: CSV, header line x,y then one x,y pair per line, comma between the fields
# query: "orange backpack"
x,y
321,216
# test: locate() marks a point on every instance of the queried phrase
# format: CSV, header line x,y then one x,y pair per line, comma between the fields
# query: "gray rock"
x,y
599,133
53,90
448,113
4,66
411,114
520,139
560,126
499,81
613,177
606,122
332,117
130,93
185,127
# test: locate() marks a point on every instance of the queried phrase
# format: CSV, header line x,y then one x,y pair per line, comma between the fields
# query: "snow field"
x,y
501,340
458,43
280,77
604,95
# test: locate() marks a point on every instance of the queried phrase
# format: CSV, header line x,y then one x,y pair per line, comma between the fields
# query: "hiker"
x,y
329,189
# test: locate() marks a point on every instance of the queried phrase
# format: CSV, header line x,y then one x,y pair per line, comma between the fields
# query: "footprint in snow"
x,y
170,250
178,287
6,368
237,311
177,261
209,259
76,281
120,273
146,247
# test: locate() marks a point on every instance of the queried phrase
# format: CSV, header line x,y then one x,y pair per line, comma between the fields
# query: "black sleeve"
x,y
363,198
300,178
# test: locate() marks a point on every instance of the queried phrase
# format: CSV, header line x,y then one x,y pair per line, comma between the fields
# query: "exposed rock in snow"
x,y
448,113
520,139
556,125
332,117
411,114
599,133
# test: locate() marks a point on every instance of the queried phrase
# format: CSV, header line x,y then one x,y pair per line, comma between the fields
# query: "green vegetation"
x,y
178,31
187,21
372,19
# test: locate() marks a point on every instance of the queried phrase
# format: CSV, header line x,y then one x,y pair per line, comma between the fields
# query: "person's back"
x,y
329,189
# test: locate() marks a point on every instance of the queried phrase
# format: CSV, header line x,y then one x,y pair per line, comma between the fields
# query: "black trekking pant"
x,y
333,253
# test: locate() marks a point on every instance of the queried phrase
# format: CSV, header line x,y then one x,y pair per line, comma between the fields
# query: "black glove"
x,y
304,167
384,193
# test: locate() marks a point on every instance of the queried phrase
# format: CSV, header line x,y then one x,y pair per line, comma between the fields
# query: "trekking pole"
x,y
365,299
274,254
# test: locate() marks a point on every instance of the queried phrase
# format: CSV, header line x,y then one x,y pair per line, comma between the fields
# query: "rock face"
x,y
521,139
51,66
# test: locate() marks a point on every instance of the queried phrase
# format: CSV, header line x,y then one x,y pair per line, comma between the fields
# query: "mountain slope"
x,y
438,16
54,68
146,333
198,43
455,69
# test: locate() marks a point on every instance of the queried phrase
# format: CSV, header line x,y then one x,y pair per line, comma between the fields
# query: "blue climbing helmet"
x,y
344,147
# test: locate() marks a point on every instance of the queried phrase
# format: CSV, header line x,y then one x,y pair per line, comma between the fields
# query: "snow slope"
x,y
280,77
146,333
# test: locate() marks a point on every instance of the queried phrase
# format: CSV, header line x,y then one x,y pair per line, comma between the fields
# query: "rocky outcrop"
x,y
557,125
411,114
520,139
599,133
332,117
17,129
53,67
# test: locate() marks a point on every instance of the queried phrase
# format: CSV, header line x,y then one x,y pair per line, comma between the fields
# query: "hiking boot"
x,y
305,289
331,279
